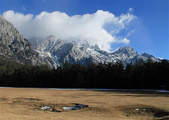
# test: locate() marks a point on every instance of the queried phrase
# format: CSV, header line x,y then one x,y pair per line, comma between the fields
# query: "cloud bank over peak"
x,y
101,27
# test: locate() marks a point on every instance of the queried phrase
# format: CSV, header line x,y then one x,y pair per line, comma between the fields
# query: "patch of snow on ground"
x,y
76,107
45,107
71,108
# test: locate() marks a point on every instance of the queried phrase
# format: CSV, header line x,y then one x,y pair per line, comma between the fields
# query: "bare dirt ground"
x,y
26,104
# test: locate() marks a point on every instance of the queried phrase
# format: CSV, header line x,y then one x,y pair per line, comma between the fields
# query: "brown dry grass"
x,y
24,104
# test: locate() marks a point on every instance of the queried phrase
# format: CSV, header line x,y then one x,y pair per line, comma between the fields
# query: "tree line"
x,y
114,76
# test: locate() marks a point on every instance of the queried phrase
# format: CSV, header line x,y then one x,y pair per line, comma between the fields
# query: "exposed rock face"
x,y
14,46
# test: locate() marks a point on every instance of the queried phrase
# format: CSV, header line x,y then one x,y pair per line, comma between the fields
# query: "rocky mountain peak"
x,y
85,43
51,38
14,46
8,32
126,51
96,47
147,55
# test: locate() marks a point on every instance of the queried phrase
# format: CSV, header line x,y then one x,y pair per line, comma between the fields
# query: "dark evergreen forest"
x,y
115,76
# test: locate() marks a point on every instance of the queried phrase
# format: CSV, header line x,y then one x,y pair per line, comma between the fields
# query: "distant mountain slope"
x,y
13,46
83,53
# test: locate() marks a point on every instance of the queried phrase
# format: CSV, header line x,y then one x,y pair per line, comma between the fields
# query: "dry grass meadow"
x,y
26,103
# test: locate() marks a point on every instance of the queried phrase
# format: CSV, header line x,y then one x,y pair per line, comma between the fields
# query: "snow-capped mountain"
x,y
84,53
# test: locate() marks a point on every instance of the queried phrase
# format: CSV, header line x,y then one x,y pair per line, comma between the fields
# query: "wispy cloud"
x,y
130,10
24,8
101,27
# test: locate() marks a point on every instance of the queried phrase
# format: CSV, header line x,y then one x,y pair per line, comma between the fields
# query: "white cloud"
x,y
124,40
100,28
130,10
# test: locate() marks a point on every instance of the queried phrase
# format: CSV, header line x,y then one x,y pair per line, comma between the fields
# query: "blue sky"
x,y
151,29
